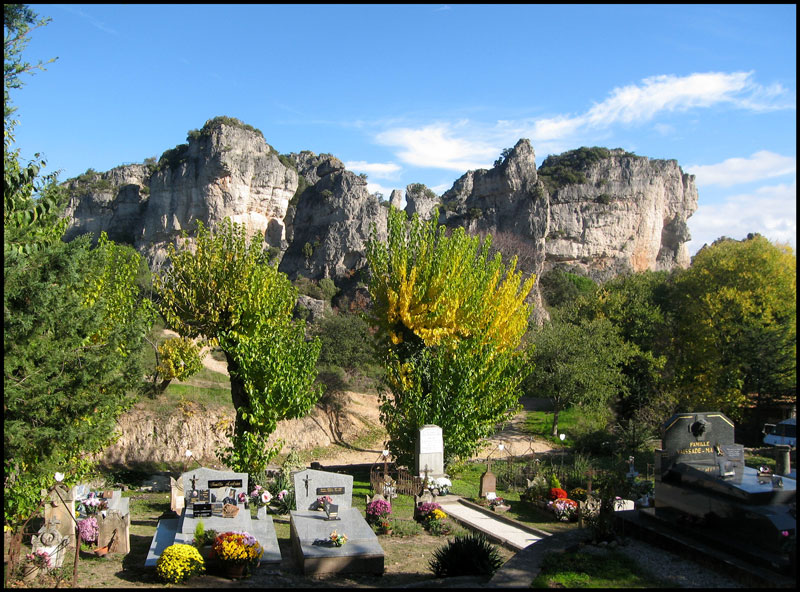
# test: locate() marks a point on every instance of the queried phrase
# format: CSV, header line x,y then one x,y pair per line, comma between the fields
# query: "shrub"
x,y
87,529
378,509
179,562
328,287
469,555
347,342
554,482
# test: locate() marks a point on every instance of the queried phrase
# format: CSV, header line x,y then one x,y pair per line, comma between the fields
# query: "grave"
x,y
60,511
429,452
312,523
207,491
702,484
50,540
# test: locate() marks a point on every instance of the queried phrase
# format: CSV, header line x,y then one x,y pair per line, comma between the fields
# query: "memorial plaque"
x,y
219,483
201,510
310,484
199,496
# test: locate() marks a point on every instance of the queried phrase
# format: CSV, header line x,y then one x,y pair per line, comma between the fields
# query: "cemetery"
x,y
345,523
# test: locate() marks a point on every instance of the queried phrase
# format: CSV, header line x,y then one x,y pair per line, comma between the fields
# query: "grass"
x,y
588,570
540,423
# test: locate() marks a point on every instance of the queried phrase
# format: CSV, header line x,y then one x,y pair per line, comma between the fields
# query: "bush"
x,y
377,510
347,342
179,562
469,555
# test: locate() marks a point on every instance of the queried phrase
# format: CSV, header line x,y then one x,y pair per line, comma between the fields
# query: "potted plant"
x,y
237,552
179,562
37,562
378,510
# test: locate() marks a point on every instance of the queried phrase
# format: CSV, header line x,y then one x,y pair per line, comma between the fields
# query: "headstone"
x,y
114,530
488,484
429,451
176,495
310,485
204,490
310,528
50,540
62,513
700,474
204,487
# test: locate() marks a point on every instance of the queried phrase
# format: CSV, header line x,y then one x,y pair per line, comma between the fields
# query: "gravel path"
x,y
678,571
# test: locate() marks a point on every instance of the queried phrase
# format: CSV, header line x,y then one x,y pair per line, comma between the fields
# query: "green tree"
x,y
73,328
178,358
224,291
735,334
578,362
450,321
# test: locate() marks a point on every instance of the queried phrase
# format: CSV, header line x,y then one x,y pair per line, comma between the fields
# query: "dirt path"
x,y
513,437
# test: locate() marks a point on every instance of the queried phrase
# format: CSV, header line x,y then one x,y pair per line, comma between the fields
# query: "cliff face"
x,y
332,221
611,212
225,170
599,211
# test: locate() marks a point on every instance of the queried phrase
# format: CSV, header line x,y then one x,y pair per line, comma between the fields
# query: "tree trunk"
x,y
238,396
554,433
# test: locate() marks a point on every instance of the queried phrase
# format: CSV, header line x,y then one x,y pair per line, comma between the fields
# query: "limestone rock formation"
x,y
226,170
613,212
593,210
333,219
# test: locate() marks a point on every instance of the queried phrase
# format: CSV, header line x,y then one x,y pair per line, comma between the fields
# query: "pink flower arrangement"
x,y
378,509
88,530
260,496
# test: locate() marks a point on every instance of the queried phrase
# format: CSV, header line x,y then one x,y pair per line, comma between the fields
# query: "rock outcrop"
x,y
613,212
225,170
597,211
332,222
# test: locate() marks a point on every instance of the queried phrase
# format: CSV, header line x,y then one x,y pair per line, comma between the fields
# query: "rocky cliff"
x,y
612,212
226,169
595,210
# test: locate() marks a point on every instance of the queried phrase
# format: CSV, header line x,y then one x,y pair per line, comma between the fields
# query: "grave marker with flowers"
x,y
206,490
318,549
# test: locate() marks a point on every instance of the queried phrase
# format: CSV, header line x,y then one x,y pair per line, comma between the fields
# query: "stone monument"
x,y
205,489
700,475
429,452
50,540
324,505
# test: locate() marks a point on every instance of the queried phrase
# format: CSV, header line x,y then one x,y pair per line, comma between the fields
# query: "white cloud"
x,y
761,165
770,211
436,146
382,170
471,145
382,189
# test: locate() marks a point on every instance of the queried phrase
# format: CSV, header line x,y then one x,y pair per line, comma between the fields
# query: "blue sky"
x,y
423,93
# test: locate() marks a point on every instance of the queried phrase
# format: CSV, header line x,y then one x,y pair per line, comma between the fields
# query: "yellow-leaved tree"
x,y
451,320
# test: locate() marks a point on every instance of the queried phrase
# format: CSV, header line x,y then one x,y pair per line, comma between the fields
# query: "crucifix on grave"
x,y
306,481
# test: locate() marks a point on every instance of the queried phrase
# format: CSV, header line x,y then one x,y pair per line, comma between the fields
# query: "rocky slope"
x,y
598,211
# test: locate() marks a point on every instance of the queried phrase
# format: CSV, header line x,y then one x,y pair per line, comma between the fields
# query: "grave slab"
x,y
314,553
310,484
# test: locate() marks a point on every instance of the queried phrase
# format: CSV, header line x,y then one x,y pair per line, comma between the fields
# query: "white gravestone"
x,y
429,451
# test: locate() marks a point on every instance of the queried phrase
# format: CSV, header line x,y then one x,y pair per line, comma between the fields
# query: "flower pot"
x,y
101,552
235,571
30,572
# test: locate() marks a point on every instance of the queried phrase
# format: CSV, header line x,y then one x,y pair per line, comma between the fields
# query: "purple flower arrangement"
x,y
378,509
